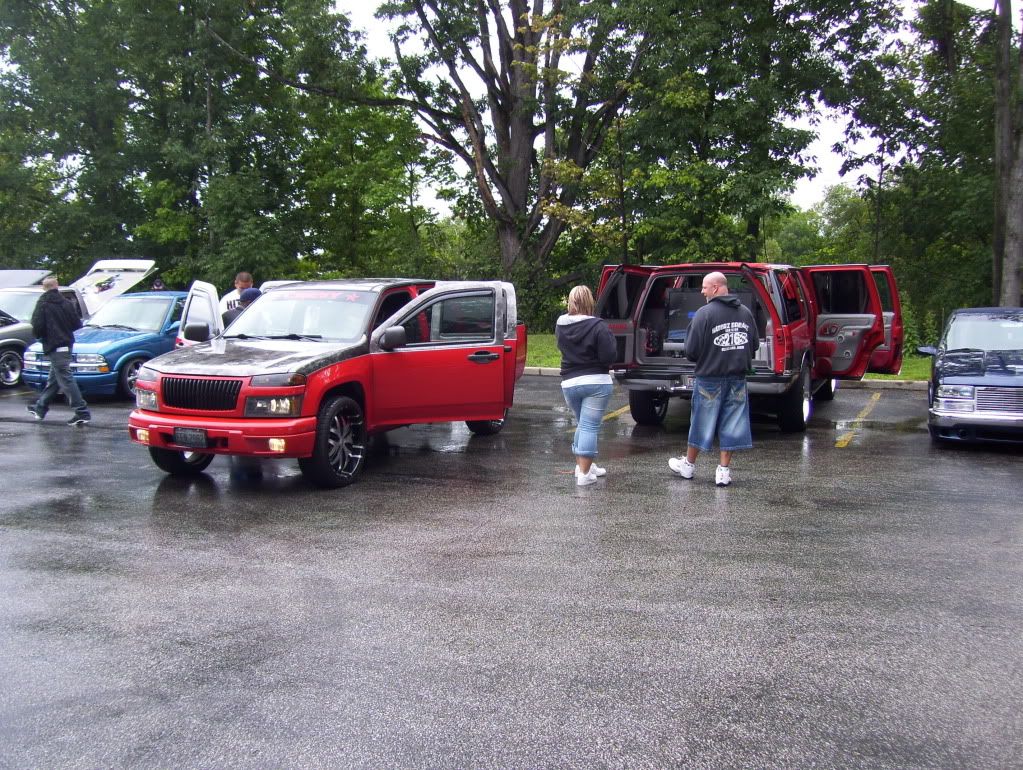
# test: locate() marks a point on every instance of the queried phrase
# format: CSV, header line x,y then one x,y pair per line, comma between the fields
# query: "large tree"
x,y
1008,235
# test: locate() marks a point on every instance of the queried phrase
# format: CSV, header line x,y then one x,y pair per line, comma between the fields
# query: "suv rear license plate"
x,y
193,437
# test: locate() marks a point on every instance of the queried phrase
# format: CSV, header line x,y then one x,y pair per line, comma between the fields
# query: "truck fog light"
x,y
142,435
276,444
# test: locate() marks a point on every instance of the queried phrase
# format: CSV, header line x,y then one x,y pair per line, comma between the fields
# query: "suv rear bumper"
x,y
675,384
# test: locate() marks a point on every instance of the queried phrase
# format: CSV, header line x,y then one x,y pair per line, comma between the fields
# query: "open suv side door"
x,y
887,357
849,324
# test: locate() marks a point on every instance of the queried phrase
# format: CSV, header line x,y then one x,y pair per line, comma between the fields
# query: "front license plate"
x,y
193,437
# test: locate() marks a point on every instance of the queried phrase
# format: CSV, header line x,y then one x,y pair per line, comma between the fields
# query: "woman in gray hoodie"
x,y
587,352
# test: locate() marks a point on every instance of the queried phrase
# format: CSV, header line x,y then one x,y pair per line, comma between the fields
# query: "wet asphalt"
x,y
852,600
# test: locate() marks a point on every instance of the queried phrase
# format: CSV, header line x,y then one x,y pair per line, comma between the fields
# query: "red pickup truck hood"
x,y
245,358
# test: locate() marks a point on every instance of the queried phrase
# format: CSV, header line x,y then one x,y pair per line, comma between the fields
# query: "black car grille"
x,y
209,395
999,399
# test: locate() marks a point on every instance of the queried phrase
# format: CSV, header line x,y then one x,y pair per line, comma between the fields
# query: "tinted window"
x,y
464,318
619,297
883,291
791,296
841,292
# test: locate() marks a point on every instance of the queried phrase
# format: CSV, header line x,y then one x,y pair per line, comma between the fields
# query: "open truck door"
x,y
849,323
202,306
618,294
887,357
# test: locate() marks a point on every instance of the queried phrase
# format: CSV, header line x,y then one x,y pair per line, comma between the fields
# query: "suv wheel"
x,y
795,406
178,463
648,408
10,368
486,427
339,452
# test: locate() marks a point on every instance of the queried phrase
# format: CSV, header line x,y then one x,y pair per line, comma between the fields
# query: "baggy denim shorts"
x,y
588,403
721,408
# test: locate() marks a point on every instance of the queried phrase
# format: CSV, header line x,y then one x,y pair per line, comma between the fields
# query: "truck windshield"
x,y
144,314
308,313
19,304
985,333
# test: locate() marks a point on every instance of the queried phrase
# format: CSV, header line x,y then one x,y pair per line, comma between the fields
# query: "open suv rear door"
x,y
620,288
849,324
887,357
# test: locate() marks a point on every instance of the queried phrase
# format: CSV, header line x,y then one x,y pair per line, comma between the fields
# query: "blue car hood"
x,y
245,358
1001,367
93,339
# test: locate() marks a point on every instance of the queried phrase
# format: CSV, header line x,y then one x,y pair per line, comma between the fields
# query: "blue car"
x,y
112,346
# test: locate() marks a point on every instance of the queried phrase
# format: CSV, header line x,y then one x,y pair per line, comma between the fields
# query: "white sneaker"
x,y
682,467
595,469
585,479
723,476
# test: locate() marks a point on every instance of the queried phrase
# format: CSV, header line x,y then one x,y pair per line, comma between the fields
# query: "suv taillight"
x,y
782,349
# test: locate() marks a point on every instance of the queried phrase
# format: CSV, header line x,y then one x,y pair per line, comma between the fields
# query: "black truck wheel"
x,y
795,406
339,453
486,427
179,463
648,408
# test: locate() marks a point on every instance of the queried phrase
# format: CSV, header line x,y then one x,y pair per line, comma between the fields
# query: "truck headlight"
x,y
89,362
31,357
955,391
146,399
273,406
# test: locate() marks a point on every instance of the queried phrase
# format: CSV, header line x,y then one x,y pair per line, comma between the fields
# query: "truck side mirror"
x,y
197,332
393,337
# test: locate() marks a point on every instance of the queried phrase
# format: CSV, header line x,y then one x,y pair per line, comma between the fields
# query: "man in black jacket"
x,y
54,322
722,340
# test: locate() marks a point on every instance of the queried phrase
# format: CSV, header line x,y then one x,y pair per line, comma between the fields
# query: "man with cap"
x,y
245,298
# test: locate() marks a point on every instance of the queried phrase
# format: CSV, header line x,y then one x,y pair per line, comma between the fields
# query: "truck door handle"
x,y
483,357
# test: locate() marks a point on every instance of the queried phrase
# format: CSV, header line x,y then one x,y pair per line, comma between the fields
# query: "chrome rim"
x,y
133,374
344,443
10,367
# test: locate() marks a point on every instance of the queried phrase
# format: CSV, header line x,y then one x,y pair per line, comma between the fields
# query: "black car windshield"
x,y
303,314
984,333
19,304
130,313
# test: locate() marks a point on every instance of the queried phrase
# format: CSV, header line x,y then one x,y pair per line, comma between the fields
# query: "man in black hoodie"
x,y
54,322
722,340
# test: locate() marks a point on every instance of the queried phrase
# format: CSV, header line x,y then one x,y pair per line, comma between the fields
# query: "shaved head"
x,y
49,282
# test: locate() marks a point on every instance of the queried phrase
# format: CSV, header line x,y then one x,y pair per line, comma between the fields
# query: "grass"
x,y
542,351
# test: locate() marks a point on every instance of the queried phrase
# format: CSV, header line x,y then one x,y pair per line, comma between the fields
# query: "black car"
x,y
976,388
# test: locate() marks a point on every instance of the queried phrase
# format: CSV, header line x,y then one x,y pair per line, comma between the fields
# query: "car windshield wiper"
x,y
295,336
243,336
965,350
125,327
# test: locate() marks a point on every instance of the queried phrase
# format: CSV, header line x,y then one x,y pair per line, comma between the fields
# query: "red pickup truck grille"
x,y
202,394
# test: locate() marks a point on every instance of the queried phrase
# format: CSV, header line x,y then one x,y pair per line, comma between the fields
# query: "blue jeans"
x,y
721,408
588,403
61,378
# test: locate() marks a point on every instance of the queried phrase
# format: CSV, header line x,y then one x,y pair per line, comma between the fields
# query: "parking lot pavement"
x,y
851,601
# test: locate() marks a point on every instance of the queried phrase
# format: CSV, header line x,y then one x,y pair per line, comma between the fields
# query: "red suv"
x,y
817,325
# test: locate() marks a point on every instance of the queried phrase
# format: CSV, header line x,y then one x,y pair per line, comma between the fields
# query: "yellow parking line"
x,y
608,416
615,413
845,438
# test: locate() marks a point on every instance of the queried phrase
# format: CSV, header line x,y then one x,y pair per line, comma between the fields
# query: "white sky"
x,y
808,191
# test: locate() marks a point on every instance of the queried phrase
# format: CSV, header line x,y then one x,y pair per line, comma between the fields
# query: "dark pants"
x,y
60,378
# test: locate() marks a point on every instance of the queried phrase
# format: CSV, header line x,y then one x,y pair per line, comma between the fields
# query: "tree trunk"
x,y
1003,139
1012,260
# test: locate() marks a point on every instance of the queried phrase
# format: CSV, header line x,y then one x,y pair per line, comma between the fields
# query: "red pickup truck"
x,y
817,325
310,370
